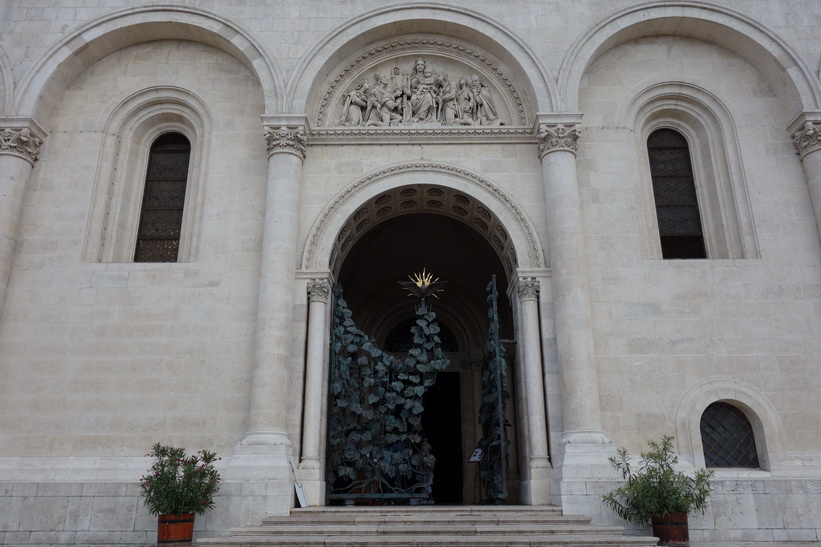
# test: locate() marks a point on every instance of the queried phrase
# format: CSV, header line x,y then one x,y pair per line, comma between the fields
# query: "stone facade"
x,y
314,123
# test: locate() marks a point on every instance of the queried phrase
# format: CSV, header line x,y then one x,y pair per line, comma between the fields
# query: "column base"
x,y
310,475
535,489
262,455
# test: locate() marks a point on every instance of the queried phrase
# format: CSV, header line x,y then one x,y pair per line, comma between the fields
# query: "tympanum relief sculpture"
x,y
420,96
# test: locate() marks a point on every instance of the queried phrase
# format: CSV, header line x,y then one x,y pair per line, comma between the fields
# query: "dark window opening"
x,y
674,191
158,234
727,437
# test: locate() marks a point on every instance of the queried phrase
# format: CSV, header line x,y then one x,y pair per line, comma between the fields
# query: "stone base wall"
x,y
740,510
112,513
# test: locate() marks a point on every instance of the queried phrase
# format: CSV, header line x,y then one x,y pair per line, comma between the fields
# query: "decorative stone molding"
x,y
528,288
806,139
20,141
531,250
558,137
318,290
353,76
285,139
457,135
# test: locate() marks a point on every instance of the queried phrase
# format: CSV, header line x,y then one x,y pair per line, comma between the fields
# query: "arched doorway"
x,y
455,252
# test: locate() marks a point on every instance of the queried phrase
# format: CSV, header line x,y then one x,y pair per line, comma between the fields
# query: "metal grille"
x,y
158,235
727,437
400,338
674,191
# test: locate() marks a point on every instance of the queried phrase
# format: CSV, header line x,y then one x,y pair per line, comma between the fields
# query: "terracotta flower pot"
x,y
174,530
672,530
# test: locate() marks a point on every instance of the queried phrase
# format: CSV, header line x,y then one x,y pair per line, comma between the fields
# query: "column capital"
x,y
285,133
527,288
558,132
318,290
804,131
21,137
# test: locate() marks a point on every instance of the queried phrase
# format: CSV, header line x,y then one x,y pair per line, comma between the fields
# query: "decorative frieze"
x,y
318,290
286,139
455,86
528,288
20,142
806,139
553,137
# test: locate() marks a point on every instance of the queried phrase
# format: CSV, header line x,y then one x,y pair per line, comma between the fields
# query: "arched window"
x,y
727,437
158,235
674,191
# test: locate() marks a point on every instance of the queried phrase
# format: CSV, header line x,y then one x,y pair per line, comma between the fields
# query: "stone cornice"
x,y
451,135
21,137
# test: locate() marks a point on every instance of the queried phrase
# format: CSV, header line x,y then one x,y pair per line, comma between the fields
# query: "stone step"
x,y
420,540
409,526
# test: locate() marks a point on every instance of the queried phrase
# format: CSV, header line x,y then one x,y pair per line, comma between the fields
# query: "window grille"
x,y
674,191
727,437
158,235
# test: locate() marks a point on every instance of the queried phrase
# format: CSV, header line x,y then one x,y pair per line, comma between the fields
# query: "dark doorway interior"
x,y
442,423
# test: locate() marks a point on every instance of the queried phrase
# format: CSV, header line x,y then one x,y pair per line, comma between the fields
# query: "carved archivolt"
x,y
415,198
422,83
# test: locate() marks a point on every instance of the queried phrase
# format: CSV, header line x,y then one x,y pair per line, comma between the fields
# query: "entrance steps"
x,y
428,525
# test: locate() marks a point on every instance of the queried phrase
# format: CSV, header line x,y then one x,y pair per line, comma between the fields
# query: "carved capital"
x,y
286,139
20,141
554,137
318,290
528,288
806,139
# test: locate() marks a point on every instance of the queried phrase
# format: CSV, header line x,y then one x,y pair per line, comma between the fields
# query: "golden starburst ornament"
x,y
423,285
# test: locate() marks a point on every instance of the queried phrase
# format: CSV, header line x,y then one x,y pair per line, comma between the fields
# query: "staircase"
x,y
428,525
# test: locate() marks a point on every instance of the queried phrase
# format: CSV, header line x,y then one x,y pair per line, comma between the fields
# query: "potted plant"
x,y
176,488
658,495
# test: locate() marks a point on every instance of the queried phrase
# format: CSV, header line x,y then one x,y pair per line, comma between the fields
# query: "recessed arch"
x,y
763,416
44,83
360,202
391,23
709,127
784,69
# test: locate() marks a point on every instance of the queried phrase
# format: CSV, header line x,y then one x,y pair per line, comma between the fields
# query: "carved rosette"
x,y
286,139
318,290
528,289
558,137
806,139
20,142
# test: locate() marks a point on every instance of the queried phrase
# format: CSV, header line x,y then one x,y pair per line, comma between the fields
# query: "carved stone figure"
x,y
356,101
448,106
420,96
484,109
382,105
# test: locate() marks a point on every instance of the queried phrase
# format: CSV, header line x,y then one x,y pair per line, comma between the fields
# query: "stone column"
x,y
536,486
574,331
264,452
806,133
20,142
310,465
